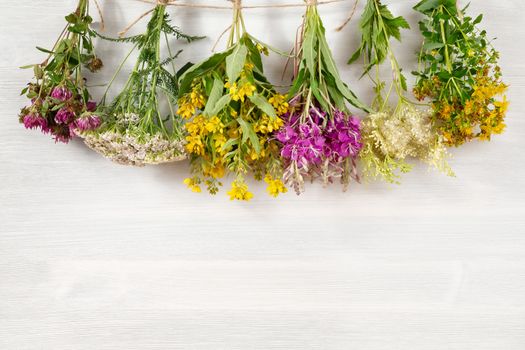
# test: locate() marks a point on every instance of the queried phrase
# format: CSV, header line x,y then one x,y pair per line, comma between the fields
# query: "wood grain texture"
x,y
98,256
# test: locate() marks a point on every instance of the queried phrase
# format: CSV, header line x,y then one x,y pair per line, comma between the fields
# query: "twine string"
x,y
236,5
99,10
352,12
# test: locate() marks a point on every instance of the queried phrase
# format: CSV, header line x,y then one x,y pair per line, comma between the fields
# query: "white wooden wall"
x,y
97,256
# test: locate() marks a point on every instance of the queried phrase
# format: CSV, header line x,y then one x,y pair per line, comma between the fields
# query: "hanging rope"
x,y
349,17
219,7
99,10
236,4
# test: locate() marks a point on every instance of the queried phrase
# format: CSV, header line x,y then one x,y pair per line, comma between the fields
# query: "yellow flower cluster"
x,y
193,184
275,186
236,139
239,93
267,125
483,110
279,103
200,130
190,103
239,191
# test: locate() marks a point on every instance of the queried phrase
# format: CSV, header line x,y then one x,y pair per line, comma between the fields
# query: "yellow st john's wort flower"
x,y
239,191
275,186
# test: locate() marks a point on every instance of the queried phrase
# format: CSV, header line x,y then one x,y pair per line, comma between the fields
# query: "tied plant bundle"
x,y
232,110
60,101
320,138
459,74
391,135
135,130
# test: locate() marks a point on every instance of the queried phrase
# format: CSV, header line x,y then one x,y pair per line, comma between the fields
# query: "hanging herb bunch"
x,y
232,110
320,138
60,102
391,135
135,130
459,74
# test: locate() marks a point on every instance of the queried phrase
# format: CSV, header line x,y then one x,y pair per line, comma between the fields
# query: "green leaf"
x,y
341,86
199,69
297,83
255,55
309,49
72,18
221,103
44,50
478,19
263,105
249,133
430,46
214,96
229,144
355,56
235,62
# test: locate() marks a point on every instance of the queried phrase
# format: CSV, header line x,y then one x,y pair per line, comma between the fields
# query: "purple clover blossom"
x,y
64,116
35,121
91,106
59,138
87,122
61,93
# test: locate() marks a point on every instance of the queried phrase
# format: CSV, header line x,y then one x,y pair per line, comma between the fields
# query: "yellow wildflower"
x,y
186,109
280,104
239,191
216,171
195,145
197,98
275,186
267,125
193,184
240,92
214,124
263,49
219,142
197,127
502,105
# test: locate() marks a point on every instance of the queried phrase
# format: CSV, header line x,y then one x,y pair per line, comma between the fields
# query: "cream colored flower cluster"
x,y
137,149
389,139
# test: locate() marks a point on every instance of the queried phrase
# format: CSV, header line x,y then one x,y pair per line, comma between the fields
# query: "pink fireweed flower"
x,y
317,145
61,93
64,116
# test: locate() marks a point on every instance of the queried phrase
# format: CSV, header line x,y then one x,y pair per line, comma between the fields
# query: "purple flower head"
x,y
35,121
63,133
87,122
312,139
91,106
344,136
61,93
286,134
64,116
